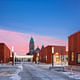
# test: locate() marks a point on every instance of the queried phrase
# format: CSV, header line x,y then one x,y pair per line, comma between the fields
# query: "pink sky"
x,y
20,41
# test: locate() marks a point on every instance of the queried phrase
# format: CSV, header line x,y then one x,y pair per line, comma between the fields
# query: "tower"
x,y
31,46
42,46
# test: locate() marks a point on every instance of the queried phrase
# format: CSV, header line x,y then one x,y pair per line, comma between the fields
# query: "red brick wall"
x,y
47,51
42,55
49,54
4,53
1,53
73,46
34,57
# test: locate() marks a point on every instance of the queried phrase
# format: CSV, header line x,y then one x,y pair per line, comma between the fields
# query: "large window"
x,y
72,56
78,57
57,57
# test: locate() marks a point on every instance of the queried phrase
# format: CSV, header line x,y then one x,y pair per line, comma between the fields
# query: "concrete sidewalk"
x,y
73,74
9,72
35,72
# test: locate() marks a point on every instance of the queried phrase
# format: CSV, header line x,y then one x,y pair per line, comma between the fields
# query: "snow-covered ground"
x,y
74,75
31,71
70,74
16,75
9,72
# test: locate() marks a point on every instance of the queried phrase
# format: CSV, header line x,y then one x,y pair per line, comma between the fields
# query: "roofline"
x,y
5,45
54,46
74,33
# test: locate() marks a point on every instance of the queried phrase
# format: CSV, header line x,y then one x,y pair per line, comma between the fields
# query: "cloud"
x,y
20,41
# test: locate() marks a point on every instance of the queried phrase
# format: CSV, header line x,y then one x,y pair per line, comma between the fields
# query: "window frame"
x,y
72,54
77,58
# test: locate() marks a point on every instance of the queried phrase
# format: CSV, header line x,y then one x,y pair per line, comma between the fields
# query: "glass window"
x,y
78,57
72,56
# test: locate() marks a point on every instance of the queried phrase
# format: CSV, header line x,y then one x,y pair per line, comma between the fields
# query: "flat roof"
x,y
55,46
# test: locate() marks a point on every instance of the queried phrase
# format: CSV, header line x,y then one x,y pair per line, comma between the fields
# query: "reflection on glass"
x,y
79,58
72,56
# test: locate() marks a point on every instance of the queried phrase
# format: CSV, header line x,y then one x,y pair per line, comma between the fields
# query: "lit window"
x,y
78,57
72,56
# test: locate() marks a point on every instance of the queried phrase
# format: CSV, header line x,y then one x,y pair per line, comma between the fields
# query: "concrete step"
x,y
56,68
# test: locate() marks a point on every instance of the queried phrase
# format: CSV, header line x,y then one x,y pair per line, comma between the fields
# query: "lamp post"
x,y
15,58
52,56
12,55
38,58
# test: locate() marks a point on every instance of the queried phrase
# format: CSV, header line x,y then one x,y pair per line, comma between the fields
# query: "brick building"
x,y
36,55
35,58
74,49
4,53
45,54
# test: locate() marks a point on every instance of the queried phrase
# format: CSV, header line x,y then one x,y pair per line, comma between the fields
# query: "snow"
x,y
41,74
36,71
7,70
16,76
72,75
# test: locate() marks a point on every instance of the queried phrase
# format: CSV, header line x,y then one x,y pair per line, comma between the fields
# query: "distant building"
x,y
74,49
45,54
37,50
36,55
22,58
42,46
31,46
4,53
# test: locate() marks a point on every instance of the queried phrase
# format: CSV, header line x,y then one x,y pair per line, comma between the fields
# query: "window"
x,y
72,56
62,57
78,57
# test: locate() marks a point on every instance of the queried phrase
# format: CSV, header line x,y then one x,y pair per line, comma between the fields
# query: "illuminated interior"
x,y
57,58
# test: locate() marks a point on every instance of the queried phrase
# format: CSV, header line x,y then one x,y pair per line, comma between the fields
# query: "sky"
x,y
20,41
54,19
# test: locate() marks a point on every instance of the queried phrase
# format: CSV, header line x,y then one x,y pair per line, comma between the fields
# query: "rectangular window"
x,y
78,57
72,56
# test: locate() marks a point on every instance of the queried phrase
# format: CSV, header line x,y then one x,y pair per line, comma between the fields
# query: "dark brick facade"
x,y
4,53
45,54
34,57
74,49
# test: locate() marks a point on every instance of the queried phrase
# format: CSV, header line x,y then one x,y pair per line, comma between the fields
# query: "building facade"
x,y
45,54
36,55
74,49
4,53
31,46
26,58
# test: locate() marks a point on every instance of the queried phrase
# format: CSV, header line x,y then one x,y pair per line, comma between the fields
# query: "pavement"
x,y
71,74
35,72
9,72
31,71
